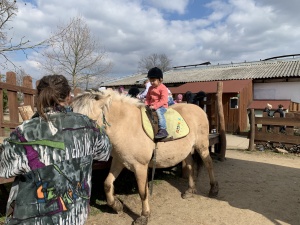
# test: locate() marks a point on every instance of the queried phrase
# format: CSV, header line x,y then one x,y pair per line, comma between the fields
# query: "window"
x,y
234,103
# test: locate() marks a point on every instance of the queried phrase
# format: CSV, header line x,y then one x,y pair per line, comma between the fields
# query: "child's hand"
x,y
151,107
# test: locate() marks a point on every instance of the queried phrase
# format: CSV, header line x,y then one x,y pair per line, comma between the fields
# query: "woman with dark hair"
x,y
188,97
51,157
133,91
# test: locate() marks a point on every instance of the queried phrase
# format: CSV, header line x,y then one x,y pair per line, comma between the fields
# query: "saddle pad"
x,y
176,125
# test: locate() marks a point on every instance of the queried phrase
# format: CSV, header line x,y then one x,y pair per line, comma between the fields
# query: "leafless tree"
x,y
154,60
20,75
75,53
8,10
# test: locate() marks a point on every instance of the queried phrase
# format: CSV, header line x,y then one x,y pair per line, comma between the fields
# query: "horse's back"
x,y
192,113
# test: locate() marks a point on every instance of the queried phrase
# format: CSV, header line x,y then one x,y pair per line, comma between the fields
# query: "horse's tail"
x,y
197,163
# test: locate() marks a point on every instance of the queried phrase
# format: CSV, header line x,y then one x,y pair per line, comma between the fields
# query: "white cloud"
x,y
233,30
178,6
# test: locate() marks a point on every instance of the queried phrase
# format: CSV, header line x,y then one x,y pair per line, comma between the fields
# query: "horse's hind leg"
x,y
115,169
190,173
205,156
141,174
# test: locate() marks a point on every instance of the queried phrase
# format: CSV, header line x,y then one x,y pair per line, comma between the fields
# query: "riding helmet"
x,y
155,73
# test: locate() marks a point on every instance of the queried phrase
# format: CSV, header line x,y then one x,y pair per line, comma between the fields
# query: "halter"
x,y
104,121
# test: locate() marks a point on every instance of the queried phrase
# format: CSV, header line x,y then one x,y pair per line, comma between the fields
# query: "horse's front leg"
x,y
141,174
115,169
190,173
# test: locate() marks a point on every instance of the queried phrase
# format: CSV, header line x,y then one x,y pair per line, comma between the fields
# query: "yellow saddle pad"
x,y
176,125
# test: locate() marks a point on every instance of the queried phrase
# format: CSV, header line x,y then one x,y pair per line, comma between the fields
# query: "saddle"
x,y
176,125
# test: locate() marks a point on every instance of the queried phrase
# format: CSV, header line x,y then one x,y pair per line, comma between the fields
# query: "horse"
x,y
133,149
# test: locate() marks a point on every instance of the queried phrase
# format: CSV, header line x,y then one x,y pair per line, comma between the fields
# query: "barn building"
x,y
245,85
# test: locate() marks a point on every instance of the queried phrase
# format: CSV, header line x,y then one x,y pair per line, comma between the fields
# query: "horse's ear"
x,y
104,99
98,97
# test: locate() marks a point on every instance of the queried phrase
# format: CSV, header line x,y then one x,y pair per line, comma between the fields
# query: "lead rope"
x,y
153,168
105,123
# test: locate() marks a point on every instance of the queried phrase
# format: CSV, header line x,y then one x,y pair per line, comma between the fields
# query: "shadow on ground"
x,y
267,189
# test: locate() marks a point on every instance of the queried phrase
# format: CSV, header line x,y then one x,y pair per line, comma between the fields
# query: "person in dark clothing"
x,y
133,92
198,99
280,110
268,110
281,113
188,97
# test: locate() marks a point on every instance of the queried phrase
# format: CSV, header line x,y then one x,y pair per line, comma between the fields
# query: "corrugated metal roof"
x,y
130,80
233,86
241,71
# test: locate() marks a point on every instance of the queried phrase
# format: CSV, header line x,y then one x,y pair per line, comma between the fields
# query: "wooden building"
x,y
243,84
237,95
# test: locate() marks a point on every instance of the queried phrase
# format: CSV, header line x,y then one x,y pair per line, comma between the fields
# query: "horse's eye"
x,y
97,97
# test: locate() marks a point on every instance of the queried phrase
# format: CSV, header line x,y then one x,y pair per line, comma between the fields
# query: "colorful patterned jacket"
x,y
52,162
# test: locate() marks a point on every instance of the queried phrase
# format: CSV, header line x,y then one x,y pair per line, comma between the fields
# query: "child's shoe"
x,y
162,133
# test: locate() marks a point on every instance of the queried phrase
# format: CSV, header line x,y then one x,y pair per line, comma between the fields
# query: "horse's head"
x,y
92,104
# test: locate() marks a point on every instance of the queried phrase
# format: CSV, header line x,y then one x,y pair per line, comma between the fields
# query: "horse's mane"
x,y
84,104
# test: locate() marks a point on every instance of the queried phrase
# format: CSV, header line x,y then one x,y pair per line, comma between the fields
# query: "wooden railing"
x,y
12,93
262,135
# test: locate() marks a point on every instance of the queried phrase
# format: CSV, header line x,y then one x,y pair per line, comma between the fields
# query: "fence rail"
x,y
6,125
290,136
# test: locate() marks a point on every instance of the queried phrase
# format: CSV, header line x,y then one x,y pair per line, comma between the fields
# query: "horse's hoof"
x,y
214,190
117,206
189,193
186,195
142,220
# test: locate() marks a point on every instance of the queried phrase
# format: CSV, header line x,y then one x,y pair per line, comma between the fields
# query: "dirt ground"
x,y
255,188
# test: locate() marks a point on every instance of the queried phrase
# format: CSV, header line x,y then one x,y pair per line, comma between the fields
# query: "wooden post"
x,y
28,98
221,121
252,130
12,98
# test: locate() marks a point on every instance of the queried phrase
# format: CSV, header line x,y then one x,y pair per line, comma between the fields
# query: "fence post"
x,y
12,98
28,98
252,130
221,120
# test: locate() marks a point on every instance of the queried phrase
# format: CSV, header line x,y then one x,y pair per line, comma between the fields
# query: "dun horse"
x,y
133,149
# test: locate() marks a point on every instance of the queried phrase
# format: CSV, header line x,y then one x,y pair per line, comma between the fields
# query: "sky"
x,y
187,31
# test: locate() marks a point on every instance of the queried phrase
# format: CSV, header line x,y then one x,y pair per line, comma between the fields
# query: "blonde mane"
x,y
83,104
123,98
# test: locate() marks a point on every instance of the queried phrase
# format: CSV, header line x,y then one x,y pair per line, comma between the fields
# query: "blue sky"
x,y
195,9
187,31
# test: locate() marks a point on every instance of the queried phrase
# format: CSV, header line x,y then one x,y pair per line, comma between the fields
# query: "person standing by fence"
x,y
282,114
268,111
51,157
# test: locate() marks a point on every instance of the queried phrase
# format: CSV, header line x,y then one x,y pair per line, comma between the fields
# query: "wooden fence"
x,y
12,120
262,135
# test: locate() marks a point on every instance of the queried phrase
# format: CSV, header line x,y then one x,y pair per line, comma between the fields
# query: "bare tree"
x,y
8,10
20,75
75,53
154,60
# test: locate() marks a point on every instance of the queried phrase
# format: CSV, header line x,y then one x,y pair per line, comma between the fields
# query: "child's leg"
x,y
161,118
162,132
